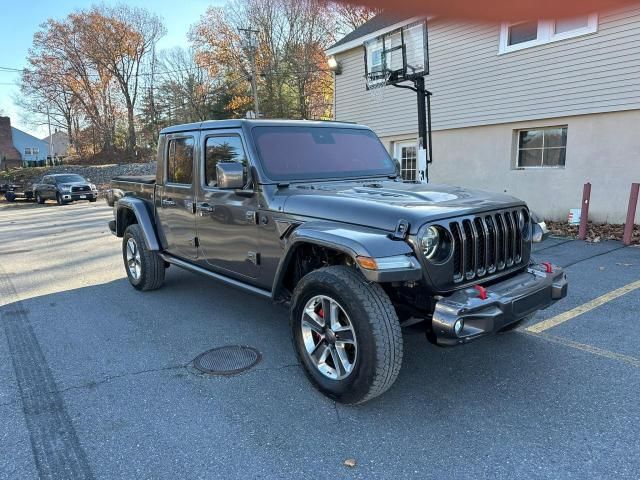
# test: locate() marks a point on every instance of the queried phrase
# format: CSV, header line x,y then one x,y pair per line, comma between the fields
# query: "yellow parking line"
x,y
584,308
628,359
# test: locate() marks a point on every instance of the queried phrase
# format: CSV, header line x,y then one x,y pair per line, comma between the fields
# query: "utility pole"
x,y
251,45
50,138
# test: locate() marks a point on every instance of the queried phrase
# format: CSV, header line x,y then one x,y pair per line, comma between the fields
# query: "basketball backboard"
x,y
397,56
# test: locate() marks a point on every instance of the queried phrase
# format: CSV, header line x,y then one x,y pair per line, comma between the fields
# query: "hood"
x,y
75,184
382,204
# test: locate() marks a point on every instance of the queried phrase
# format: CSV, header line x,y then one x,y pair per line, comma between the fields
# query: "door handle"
x,y
168,203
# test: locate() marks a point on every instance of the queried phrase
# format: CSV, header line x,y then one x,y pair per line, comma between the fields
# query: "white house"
x,y
534,108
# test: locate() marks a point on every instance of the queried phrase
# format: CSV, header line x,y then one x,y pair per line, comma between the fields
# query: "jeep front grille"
x,y
485,244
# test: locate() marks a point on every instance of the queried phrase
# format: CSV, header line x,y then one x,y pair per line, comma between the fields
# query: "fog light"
x,y
458,326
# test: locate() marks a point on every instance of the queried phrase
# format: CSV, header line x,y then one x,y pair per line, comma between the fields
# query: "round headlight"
x,y
430,242
524,223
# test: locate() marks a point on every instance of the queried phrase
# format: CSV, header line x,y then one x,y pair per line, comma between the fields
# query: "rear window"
x,y
298,153
180,161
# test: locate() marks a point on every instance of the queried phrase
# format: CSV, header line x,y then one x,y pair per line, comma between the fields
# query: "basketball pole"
x,y
424,118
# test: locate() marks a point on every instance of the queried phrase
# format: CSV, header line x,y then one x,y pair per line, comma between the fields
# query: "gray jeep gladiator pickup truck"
x,y
313,215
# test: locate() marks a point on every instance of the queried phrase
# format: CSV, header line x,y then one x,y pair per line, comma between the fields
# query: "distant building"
x,y
9,155
59,144
18,148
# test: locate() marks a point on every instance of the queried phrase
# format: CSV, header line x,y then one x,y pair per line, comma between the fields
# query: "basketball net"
x,y
375,84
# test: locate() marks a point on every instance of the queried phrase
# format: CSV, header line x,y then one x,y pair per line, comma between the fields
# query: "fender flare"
x,y
351,240
140,210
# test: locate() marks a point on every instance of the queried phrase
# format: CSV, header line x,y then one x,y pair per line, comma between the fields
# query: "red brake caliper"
x,y
316,336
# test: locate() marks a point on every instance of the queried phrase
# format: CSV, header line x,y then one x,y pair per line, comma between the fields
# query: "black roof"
x,y
380,21
238,123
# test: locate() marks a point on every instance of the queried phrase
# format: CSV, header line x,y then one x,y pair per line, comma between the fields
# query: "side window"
x,y
226,148
180,161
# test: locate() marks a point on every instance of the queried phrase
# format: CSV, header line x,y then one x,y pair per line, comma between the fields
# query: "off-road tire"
x,y
377,329
152,265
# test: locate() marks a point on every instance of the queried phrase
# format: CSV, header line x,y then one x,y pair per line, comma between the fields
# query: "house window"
x,y
522,33
519,35
27,151
406,152
35,151
542,147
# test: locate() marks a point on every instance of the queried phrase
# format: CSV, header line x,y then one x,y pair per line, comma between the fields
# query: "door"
x,y
175,199
49,190
406,153
226,221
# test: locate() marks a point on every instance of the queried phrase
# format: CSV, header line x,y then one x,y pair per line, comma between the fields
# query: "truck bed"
x,y
142,186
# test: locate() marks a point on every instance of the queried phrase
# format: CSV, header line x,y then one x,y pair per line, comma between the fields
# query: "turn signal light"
x,y
367,262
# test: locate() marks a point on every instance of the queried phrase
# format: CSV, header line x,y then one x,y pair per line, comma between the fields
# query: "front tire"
x,y
346,334
145,268
59,199
39,199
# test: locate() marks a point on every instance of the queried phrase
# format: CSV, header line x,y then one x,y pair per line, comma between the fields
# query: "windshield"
x,y
301,152
69,179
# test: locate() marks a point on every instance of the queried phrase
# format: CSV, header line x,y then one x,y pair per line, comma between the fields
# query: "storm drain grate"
x,y
229,360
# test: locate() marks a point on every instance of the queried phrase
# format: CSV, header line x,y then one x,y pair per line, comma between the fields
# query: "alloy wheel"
x,y
329,337
134,263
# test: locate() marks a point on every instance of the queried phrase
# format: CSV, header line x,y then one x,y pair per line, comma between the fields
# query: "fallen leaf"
x,y
601,268
350,462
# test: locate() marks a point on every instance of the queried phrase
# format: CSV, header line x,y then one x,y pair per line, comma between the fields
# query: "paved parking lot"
x,y
95,379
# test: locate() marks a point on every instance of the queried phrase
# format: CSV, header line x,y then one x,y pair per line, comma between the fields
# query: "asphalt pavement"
x,y
96,378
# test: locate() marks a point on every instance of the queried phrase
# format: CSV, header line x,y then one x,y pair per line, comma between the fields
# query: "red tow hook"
x,y
548,267
482,292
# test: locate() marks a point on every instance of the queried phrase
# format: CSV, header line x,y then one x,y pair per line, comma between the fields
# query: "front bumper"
x,y
73,196
506,302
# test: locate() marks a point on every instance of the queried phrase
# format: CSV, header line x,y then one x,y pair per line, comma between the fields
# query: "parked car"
x,y
64,188
314,215
15,191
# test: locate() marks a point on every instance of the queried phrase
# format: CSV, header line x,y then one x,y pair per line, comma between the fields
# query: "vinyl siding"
x,y
473,85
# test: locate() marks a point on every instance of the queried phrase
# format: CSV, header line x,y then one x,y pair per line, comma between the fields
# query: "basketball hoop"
x,y
375,82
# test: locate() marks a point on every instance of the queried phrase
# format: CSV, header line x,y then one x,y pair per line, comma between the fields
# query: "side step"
x,y
216,276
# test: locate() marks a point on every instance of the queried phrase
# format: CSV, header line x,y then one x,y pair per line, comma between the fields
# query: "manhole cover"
x,y
228,360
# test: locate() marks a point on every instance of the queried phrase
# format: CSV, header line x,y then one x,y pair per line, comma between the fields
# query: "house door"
x,y
406,153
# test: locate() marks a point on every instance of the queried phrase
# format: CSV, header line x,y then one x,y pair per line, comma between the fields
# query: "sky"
x,y
27,15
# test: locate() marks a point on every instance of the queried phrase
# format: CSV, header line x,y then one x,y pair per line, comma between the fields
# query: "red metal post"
x,y
584,213
631,213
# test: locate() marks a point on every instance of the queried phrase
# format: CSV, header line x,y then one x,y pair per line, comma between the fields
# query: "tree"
x,y
350,16
293,81
58,62
118,40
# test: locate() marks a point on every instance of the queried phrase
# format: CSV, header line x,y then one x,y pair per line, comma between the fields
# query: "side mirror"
x,y
540,230
230,175
398,166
